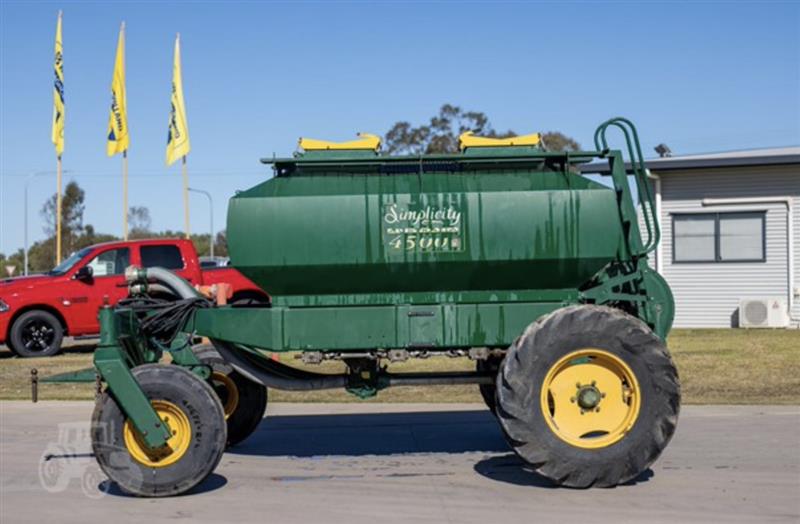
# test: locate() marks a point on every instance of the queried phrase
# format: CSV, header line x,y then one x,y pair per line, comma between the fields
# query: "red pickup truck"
x,y
37,311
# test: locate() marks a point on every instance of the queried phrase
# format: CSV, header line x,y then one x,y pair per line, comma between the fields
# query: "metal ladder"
x,y
646,199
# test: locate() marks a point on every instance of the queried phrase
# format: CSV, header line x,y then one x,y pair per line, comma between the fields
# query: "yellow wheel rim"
x,y
176,446
590,398
227,391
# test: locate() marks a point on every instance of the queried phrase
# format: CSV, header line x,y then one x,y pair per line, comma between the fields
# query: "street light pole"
x,y
25,221
210,214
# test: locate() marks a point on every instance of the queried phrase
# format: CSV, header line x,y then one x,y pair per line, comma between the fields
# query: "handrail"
x,y
651,220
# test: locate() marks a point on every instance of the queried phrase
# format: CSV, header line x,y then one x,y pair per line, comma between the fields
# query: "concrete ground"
x,y
352,463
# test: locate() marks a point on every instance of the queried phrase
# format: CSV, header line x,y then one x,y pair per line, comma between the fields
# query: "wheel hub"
x,y
36,334
588,397
179,427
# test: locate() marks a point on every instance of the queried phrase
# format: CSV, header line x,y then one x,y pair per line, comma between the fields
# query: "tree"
x,y
441,134
202,244
16,259
90,237
72,207
139,222
555,141
42,254
74,234
221,244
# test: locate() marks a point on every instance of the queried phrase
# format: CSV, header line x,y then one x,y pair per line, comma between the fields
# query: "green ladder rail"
x,y
646,199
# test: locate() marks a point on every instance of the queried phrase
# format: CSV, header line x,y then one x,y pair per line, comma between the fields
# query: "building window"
x,y
719,237
166,256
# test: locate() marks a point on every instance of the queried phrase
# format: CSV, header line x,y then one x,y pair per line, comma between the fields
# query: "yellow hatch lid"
x,y
365,141
468,139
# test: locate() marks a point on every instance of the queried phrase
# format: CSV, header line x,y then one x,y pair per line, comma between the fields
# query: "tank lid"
x,y
468,140
365,142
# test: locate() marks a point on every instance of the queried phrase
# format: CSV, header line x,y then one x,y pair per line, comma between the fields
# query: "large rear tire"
x,y
489,391
189,407
243,400
588,396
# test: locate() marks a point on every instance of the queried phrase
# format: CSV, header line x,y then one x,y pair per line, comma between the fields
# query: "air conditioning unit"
x,y
770,312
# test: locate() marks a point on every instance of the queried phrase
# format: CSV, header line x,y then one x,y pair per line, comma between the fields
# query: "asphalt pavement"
x,y
353,463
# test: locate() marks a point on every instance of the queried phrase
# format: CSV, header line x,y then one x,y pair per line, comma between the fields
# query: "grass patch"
x,y
737,366
716,366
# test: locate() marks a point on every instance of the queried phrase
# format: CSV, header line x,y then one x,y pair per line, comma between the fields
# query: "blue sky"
x,y
699,76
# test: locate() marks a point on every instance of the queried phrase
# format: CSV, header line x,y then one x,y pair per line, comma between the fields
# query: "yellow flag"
x,y
178,136
57,133
118,138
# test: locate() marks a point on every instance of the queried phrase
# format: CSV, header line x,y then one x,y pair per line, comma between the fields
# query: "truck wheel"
x,y
36,334
588,396
189,407
243,400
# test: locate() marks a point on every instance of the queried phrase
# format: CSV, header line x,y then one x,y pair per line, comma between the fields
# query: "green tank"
x,y
491,219
502,254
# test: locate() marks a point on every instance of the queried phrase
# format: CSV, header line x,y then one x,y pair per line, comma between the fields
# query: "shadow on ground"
x,y
212,483
374,434
353,435
82,347
512,470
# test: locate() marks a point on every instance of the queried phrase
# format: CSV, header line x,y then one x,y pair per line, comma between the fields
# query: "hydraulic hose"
x,y
273,374
163,276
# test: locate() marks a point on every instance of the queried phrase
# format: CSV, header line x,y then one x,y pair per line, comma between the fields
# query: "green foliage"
x,y
139,222
555,141
16,259
75,235
441,134
72,207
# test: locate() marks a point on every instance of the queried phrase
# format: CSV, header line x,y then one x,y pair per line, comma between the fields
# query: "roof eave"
x,y
676,164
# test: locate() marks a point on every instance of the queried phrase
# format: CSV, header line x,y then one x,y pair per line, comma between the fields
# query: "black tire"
x,y
489,391
549,340
199,404
36,333
244,417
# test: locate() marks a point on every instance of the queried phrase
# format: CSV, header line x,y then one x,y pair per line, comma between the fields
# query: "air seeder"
x,y
502,253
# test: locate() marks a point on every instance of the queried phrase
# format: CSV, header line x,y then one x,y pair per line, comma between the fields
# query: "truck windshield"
x,y
70,262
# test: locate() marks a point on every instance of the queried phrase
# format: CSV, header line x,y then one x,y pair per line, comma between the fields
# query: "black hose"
x,y
169,319
274,374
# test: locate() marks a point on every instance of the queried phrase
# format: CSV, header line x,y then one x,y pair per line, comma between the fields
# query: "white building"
x,y
730,236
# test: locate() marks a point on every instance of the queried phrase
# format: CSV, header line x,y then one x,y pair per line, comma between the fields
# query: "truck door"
x,y
107,283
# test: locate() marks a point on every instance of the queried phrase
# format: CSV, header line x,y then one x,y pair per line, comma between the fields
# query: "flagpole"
x,y
58,209
125,195
185,196
57,136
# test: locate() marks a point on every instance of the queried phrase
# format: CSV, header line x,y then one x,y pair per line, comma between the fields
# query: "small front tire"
x,y
189,407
